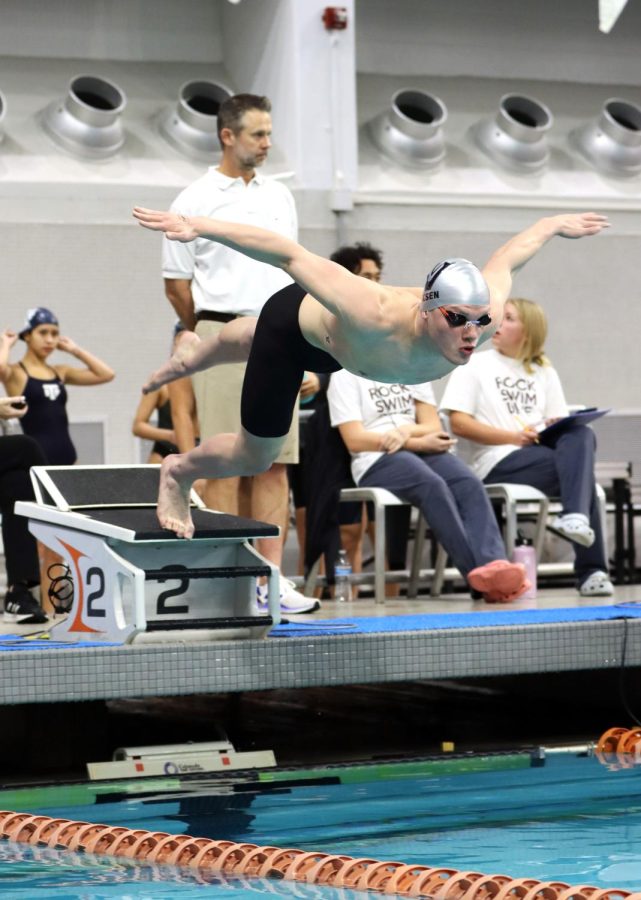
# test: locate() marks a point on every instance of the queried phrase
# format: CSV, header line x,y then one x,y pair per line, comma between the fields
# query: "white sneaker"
x,y
575,527
292,602
597,584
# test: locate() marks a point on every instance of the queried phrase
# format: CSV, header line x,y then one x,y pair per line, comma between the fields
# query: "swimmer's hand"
x,y
175,227
576,225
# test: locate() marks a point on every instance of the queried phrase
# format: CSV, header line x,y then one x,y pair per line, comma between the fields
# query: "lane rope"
x,y
619,748
310,867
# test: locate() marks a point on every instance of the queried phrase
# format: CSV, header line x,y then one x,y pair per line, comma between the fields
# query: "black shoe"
x,y
20,607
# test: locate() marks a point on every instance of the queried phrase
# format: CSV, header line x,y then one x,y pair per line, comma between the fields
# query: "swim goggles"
x,y
458,320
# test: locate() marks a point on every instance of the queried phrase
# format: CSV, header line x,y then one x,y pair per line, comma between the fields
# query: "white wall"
x,y
283,50
141,31
541,40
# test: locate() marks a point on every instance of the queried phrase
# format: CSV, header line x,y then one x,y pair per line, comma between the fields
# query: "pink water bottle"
x,y
525,553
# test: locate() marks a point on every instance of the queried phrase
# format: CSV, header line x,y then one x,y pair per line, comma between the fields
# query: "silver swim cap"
x,y
455,282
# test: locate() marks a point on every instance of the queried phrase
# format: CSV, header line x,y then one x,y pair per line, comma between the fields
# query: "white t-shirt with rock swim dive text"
x,y
379,406
498,391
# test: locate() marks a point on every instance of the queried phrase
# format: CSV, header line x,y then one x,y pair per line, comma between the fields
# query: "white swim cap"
x,y
455,282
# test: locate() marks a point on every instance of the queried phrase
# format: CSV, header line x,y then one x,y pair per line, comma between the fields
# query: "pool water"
x,y
41,873
563,817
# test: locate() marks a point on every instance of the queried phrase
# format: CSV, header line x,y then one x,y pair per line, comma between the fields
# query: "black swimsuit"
x,y
46,419
278,359
164,448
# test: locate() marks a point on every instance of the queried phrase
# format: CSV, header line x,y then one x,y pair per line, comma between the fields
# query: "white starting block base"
x,y
134,581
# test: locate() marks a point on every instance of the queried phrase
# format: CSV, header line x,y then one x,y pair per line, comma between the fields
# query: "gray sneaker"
x,y
21,609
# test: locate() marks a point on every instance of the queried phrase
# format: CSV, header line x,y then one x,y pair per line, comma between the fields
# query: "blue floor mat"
x,y
384,624
481,619
39,642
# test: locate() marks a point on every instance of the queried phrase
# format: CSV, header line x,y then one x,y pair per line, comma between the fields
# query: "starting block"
x,y
133,580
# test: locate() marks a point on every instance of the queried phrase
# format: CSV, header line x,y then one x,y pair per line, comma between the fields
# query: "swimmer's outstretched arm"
x,y
332,285
513,255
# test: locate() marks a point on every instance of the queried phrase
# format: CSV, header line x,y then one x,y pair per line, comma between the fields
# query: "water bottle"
x,y
525,553
342,572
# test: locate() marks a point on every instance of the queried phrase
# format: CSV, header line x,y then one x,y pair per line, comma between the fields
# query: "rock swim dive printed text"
x,y
517,393
392,398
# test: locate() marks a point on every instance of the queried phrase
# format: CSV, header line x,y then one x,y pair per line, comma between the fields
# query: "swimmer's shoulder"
x,y
396,301
411,294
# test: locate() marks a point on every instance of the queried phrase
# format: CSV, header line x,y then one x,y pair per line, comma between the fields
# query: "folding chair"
x,y
381,499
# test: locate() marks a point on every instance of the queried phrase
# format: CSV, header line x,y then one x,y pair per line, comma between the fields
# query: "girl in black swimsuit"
x,y
46,417
43,385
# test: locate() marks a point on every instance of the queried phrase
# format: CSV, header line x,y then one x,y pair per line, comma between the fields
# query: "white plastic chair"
x,y
521,499
381,499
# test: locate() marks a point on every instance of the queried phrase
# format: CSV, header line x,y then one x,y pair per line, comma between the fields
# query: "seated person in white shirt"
x,y
396,440
497,400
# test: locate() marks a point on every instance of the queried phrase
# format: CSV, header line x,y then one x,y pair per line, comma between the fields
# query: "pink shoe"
x,y
499,581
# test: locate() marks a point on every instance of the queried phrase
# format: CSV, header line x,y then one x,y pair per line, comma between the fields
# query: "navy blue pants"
x,y
451,498
564,470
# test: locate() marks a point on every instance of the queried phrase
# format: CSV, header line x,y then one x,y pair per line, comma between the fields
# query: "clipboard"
x,y
582,417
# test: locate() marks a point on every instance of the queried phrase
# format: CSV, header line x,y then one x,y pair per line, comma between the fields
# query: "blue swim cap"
x,y
455,282
38,315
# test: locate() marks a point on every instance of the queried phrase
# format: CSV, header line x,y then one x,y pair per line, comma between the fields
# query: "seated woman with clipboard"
x,y
499,402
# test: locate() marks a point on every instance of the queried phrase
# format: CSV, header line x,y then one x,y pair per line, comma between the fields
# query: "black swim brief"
x,y
278,359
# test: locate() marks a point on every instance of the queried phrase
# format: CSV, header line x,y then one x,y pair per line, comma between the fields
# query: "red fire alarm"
x,y
335,18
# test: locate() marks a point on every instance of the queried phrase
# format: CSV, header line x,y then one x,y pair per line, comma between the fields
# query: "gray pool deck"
x,y
182,668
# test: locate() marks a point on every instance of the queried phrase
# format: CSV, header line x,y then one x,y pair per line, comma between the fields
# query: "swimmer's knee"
x,y
265,464
255,465
268,455
258,456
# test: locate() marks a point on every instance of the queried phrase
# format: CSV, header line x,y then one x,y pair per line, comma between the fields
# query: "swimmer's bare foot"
x,y
173,501
177,366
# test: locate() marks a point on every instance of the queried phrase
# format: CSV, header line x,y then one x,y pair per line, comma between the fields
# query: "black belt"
x,y
208,316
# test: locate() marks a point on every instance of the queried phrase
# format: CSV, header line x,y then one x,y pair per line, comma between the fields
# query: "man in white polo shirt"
x,y
209,284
